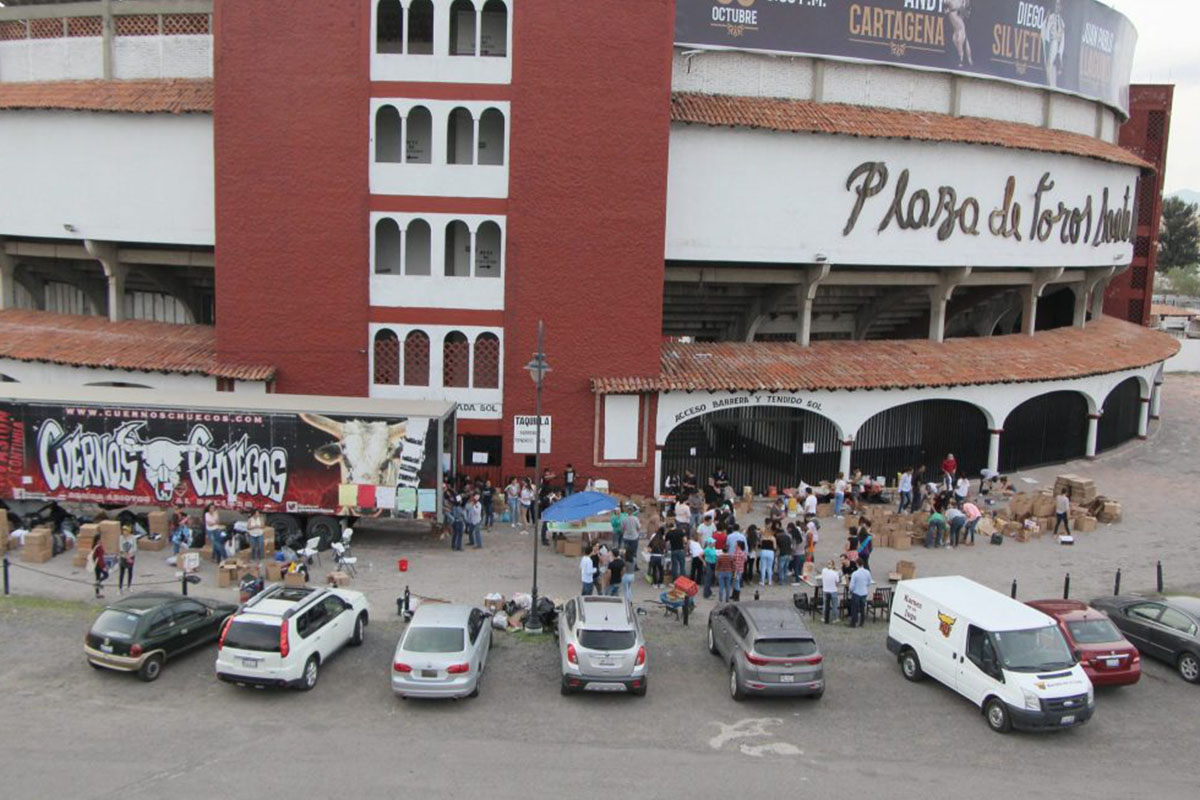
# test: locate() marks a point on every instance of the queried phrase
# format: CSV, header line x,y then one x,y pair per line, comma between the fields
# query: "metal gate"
x,y
922,433
758,447
1119,419
1047,429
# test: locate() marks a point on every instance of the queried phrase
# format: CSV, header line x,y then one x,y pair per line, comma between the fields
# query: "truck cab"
x,y
1008,659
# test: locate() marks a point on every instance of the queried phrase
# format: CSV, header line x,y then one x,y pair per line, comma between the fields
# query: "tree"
x,y
1179,240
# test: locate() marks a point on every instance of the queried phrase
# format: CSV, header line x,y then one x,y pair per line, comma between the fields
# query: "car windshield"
x,y
253,636
785,648
433,640
607,640
1093,631
1033,650
116,624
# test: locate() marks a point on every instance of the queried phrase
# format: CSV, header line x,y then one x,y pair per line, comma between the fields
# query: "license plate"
x,y
787,678
429,673
606,664
605,687
1068,719
251,663
106,648
1112,663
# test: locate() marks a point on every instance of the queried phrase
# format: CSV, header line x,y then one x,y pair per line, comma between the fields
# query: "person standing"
x,y
474,520
512,495
487,496
458,522
962,488
860,584
830,585
739,566
181,536
126,554
627,578
949,468
866,543
683,517
616,570
695,504
766,559
254,528
697,555
810,502
783,551
752,542
631,532
587,571
973,516
677,546
569,480
724,570
1054,44
710,566
735,536
526,498
1062,507
839,494
99,560
957,520
212,527
708,528
905,491
658,547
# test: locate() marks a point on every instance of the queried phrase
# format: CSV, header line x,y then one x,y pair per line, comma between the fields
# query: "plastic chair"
x,y
342,560
310,549
347,535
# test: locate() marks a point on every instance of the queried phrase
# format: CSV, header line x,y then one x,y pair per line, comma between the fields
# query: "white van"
x,y
1003,656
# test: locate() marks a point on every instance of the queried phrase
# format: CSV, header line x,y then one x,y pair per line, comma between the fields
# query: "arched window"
x,y
417,237
389,27
456,358
387,358
416,359
491,137
460,136
487,362
487,251
458,250
387,247
419,141
462,28
389,140
493,39
420,27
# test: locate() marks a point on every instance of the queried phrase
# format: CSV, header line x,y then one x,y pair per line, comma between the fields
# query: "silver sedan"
x,y
443,653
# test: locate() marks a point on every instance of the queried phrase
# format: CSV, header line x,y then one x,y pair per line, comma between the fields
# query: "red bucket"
x,y
402,564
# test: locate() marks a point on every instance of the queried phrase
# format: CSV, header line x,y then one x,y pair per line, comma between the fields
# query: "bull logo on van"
x,y
945,623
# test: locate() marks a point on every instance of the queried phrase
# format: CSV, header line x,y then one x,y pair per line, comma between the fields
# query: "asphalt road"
x,y
71,731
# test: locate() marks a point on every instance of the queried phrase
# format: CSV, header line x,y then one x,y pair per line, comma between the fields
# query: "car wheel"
x,y
475,688
312,671
641,690
817,695
360,630
997,716
151,668
910,666
712,642
735,685
565,688
1189,667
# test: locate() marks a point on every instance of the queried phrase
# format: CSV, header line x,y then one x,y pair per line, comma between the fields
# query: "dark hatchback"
x,y
1165,628
140,632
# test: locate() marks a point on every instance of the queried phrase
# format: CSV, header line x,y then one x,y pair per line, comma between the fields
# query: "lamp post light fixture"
x,y
537,368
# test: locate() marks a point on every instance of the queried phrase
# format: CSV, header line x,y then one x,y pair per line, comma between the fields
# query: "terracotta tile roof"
x,y
800,116
81,341
173,96
1106,345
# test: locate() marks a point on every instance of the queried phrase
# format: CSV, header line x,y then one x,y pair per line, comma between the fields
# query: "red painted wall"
x,y
1146,133
290,139
587,213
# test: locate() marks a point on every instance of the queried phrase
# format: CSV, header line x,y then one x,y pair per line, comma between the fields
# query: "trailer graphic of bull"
x,y
373,452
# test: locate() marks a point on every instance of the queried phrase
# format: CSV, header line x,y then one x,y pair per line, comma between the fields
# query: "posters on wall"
x,y
1078,46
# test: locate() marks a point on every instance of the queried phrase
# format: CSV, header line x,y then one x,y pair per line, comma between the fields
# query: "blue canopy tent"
x,y
580,506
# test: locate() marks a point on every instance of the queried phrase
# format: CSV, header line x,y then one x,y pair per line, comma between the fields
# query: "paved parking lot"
x,y
72,731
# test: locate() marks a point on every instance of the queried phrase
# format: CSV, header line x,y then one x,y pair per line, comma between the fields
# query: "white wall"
x,y
82,58
124,177
621,427
69,378
1187,359
745,196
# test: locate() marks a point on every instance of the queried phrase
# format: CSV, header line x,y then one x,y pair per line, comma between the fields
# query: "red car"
x,y
1105,655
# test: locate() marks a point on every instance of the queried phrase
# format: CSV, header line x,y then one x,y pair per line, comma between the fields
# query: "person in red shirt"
x,y
721,537
99,566
949,469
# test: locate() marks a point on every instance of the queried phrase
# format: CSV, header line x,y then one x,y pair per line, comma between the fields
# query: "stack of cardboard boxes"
x,y
85,540
39,545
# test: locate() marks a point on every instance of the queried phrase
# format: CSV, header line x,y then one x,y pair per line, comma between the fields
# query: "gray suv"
x,y
768,648
601,646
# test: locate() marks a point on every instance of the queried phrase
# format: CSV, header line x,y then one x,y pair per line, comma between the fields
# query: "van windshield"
x,y
1033,650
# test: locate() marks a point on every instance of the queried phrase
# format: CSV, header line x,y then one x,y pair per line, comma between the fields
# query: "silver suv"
x,y
768,648
601,646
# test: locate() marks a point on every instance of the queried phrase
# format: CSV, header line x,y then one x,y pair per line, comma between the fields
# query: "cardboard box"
x,y
824,510
338,578
268,540
1043,504
35,556
110,532
907,570
274,572
558,545
294,579
493,605
572,548
902,541
159,522
227,575
1085,524
152,545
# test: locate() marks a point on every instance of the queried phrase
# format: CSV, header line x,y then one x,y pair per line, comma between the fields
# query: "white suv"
x,y
283,635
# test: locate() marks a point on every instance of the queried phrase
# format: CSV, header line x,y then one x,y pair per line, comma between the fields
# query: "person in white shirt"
x,y
708,527
830,579
860,584
697,554
961,489
905,491
839,494
1062,507
810,502
587,571
683,518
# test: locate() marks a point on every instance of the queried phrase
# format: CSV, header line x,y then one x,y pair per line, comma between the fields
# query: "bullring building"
x,y
788,238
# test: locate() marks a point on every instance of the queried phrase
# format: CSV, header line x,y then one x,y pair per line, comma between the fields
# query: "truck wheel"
x,y
910,666
287,529
996,714
1189,668
324,528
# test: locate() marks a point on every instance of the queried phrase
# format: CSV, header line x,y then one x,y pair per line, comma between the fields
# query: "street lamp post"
x,y
537,369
